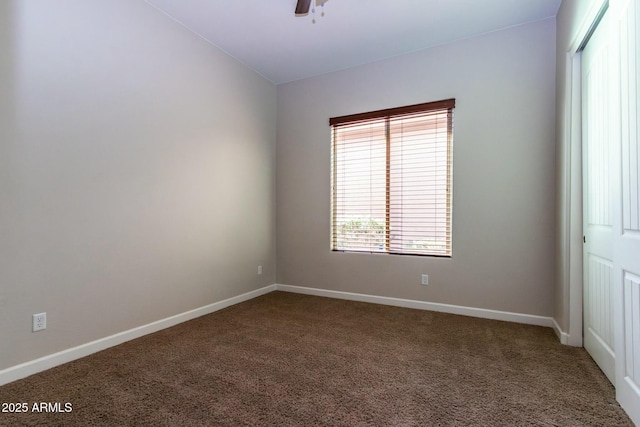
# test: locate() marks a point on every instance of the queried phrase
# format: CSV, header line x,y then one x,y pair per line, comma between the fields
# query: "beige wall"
x,y
573,20
137,172
504,194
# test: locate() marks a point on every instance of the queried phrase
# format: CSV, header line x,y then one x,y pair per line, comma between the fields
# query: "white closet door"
x,y
626,236
598,194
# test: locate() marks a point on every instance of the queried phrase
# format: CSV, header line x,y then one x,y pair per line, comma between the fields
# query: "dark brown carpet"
x,y
294,360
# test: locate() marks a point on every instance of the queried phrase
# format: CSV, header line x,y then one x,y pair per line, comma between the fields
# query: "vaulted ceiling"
x,y
269,38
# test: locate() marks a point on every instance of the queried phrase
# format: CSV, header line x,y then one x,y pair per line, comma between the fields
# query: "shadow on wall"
x,y
8,61
8,141
8,129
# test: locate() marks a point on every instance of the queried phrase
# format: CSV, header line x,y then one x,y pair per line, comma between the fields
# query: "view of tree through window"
x,y
391,180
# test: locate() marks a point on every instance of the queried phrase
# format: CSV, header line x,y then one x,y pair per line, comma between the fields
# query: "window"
x,y
391,180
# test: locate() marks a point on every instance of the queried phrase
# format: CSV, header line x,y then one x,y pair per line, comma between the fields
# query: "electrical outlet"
x,y
259,270
39,321
425,279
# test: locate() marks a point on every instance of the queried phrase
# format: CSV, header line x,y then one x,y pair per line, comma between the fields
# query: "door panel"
x,y
626,242
597,200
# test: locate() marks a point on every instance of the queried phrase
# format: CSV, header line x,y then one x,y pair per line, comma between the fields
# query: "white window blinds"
x,y
391,180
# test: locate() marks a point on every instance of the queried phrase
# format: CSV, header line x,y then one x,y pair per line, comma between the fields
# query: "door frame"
x,y
570,240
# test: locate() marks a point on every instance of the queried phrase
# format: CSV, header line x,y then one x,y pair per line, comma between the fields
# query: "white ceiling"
x,y
269,38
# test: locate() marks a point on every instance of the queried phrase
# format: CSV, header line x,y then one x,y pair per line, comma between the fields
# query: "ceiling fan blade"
x,y
302,8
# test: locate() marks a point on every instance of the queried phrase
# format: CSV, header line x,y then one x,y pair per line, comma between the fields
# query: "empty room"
x,y
332,213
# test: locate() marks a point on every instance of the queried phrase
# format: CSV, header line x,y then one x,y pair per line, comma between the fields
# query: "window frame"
x,y
388,114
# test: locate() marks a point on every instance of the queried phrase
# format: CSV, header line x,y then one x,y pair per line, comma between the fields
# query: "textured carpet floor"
x,y
294,360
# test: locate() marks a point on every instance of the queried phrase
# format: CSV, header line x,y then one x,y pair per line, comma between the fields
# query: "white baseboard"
x,y
38,365
23,370
562,336
506,316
